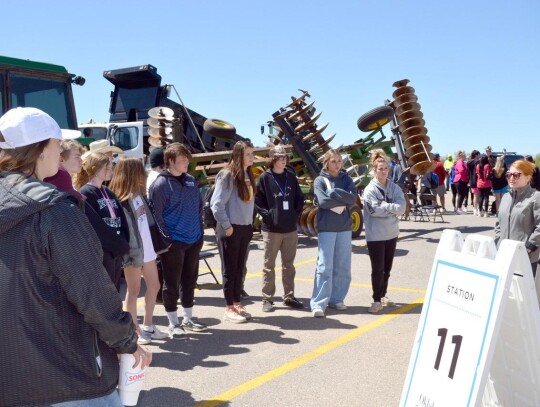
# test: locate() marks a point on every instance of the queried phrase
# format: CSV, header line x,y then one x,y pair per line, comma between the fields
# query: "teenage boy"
x,y
177,204
279,200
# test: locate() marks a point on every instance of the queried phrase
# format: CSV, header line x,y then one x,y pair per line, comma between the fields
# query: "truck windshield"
x,y
46,94
137,98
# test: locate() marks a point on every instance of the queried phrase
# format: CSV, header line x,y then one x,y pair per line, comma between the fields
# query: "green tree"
x,y
537,160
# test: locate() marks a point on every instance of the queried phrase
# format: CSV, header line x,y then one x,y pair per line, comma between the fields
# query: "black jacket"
x,y
269,201
471,169
116,238
61,309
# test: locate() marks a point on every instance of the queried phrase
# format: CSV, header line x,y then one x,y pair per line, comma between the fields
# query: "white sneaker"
x,y
485,214
387,302
232,316
154,333
241,310
318,313
144,338
460,211
340,306
375,308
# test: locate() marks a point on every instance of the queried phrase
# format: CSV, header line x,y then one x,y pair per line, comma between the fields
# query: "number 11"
x,y
456,340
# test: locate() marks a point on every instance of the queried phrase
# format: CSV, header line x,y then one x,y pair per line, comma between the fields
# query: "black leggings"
x,y
454,194
381,254
234,249
484,198
462,192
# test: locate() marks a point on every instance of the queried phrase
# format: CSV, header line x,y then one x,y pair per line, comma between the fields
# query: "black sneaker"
x,y
267,306
293,303
244,295
194,325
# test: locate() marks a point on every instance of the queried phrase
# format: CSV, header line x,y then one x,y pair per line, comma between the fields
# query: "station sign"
x,y
462,319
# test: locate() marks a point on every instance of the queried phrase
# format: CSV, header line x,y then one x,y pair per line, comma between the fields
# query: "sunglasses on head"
x,y
515,175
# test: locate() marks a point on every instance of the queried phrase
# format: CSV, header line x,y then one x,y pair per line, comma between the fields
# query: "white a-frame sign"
x,y
478,339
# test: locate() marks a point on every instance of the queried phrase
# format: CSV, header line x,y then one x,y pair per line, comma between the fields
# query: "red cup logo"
x,y
132,377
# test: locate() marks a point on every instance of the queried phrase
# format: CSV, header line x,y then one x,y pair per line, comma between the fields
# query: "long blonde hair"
x,y
499,167
128,178
91,166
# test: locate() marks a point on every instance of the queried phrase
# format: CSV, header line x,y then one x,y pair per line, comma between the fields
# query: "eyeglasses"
x,y
515,175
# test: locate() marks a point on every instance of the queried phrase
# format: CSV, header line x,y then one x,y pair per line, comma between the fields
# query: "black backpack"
x,y
208,216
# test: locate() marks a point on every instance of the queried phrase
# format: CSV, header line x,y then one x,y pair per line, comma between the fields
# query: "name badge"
x,y
285,205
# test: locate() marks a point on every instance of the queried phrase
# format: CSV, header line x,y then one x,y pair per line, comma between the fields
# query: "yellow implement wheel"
x,y
219,128
357,221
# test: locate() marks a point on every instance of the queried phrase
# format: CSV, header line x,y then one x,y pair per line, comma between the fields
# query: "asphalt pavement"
x,y
289,358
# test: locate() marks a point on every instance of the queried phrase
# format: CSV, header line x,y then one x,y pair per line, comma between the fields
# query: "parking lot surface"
x,y
289,358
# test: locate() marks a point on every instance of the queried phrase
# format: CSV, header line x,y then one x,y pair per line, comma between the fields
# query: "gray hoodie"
x,y
519,219
382,207
227,207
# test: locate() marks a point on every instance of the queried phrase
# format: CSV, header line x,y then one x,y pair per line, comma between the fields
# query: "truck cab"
x,y
128,136
25,83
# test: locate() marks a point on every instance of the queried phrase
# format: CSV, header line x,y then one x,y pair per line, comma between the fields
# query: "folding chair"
x,y
436,210
205,255
416,208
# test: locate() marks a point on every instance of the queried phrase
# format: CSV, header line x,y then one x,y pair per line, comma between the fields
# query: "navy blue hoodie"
x,y
341,193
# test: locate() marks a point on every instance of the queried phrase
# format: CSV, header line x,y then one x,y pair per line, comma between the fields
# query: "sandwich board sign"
x,y
478,338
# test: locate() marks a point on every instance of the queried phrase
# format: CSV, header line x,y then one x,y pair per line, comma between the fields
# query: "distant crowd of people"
x,y
72,222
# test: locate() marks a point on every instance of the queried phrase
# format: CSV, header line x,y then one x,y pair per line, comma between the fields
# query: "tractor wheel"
x,y
219,128
357,221
375,118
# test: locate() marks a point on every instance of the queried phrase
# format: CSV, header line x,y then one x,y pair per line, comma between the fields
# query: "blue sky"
x,y
474,64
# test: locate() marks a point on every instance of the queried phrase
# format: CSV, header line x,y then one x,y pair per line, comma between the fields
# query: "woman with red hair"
x,y
519,213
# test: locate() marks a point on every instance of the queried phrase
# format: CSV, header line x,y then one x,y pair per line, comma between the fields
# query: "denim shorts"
x,y
503,190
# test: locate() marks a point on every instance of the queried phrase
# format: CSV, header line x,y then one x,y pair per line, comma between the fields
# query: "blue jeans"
x,y
112,400
333,276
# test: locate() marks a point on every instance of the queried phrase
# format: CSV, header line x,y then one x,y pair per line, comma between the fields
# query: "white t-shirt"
x,y
152,175
144,229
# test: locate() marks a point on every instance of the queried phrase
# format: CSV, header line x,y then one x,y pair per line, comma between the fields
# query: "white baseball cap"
x,y
24,126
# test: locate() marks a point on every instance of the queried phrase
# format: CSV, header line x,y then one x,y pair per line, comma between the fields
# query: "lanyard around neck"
x,y
279,186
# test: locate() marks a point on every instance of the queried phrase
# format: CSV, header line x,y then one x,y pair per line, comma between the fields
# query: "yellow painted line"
x,y
302,360
410,290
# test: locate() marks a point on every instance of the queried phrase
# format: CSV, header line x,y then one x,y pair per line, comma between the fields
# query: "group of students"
x,y
66,237
516,190
278,198
480,175
64,316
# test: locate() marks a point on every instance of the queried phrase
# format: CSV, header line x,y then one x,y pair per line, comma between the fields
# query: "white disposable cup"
x,y
130,381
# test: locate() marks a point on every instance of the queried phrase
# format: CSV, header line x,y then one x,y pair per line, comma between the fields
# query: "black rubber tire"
x,y
220,129
357,221
374,118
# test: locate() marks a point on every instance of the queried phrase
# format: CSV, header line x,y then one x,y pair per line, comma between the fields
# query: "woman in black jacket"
x,y
66,324
97,168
